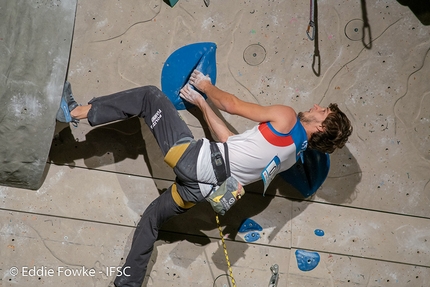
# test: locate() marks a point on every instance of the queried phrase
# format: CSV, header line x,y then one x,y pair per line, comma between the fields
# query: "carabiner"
x,y
311,21
311,25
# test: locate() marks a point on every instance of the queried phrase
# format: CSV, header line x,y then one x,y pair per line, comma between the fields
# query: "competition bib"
x,y
269,173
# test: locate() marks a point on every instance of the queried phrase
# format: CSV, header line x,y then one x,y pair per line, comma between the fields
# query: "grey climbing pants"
x,y
177,144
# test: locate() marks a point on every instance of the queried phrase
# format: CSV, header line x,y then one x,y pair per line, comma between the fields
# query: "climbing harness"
x,y
225,251
229,190
311,35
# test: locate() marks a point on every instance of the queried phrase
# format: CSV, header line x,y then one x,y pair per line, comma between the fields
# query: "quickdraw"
x,y
311,25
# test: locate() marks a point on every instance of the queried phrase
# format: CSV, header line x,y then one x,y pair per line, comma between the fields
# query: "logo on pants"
x,y
156,118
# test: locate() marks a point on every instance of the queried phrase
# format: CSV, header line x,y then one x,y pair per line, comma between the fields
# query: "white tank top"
x,y
262,152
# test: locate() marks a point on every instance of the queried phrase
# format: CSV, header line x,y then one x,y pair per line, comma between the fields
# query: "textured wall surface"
x,y
35,42
370,220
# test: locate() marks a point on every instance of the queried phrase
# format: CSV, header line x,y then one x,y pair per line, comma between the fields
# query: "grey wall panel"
x,y
35,42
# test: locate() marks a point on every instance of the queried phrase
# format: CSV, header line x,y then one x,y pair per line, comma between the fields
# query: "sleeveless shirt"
x,y
262,152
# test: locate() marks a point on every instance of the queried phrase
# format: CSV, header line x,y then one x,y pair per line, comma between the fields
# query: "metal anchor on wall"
x,y
275,275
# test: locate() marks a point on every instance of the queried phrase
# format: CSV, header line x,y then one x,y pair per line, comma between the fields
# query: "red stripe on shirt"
x,y
273,138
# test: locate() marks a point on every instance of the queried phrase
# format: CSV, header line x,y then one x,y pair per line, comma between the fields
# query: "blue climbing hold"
x,y
249,225
252,236
306,260
319,232
171,3
309,175
181,63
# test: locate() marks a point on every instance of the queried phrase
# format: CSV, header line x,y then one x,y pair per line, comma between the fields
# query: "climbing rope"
x,y
225,252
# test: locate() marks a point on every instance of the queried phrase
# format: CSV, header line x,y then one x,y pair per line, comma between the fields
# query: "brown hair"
x,y
336,130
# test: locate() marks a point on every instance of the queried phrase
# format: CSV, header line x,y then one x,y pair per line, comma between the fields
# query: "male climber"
x,y
212,171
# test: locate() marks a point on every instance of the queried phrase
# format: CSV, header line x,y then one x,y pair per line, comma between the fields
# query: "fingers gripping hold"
x,y
190,95
197,79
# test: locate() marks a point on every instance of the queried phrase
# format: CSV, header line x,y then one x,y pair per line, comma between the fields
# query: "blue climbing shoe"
x,y
67,105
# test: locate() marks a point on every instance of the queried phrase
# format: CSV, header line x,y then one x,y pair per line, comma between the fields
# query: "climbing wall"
x,y
369,223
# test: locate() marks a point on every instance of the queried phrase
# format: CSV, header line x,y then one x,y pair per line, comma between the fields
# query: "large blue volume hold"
x,y
309,175
180,64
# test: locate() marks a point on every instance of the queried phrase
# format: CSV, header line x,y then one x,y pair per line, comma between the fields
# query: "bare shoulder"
x,y
285,117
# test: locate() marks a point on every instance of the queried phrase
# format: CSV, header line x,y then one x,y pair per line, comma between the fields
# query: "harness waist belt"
x,y
221,168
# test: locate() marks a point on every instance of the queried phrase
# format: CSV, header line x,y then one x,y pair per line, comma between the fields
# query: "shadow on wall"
x,y
341,184
421,9
110,144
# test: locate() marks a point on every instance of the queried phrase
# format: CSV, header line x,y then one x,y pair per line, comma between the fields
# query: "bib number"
x,y
271,170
